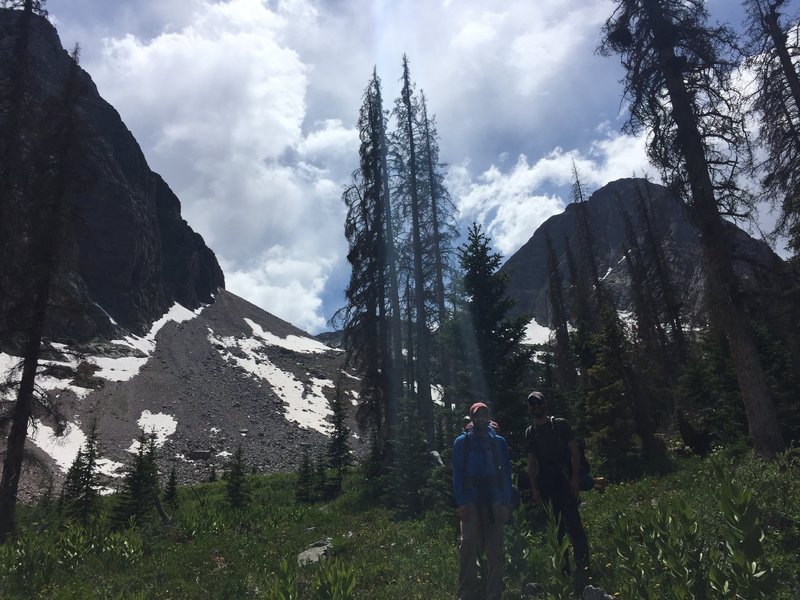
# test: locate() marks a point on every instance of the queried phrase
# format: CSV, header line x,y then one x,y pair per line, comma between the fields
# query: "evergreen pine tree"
x,y
171,490
339,451
52,153
565,368
709,384
236,481
370,319
773,48
410,470
305,475
321,488
80,492
492,361
140,482
678,79
408,187
72,481
609,409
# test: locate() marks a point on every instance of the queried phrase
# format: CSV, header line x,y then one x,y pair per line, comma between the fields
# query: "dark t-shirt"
x,y
549,442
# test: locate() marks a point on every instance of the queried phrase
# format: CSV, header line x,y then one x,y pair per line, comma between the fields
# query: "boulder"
x,y
200,454
315,553
594,593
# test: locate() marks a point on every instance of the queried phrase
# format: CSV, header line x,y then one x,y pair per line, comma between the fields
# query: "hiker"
x,y
482,486
553,468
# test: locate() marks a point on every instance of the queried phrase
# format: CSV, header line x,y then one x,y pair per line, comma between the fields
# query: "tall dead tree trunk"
x,y
564,368
54,150
724,296
421,326
396,356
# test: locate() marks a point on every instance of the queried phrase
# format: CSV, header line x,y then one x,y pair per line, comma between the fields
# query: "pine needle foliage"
x,y
81,487
339,451
140,483
305,479
486,343
171,489
608,405
236,481
411,468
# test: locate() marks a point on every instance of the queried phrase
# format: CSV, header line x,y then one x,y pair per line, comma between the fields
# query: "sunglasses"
x,y
536,402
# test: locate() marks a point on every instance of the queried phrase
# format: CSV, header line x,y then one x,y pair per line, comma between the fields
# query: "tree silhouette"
x,y
677,79
43,199
339,451
236,480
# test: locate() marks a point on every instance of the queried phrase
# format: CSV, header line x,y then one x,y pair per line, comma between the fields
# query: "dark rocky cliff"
x,y
528,271
129,255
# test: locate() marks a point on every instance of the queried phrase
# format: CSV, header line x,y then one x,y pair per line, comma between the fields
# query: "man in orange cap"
x,y
482,486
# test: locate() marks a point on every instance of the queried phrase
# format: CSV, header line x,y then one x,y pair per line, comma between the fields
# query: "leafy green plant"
x,y
557,582
334,581
738,569
670,535
668,554
284,584
74,543
27,562
517,541
632,580
126,546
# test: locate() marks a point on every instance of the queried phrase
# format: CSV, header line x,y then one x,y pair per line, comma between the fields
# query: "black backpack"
x,y
585,479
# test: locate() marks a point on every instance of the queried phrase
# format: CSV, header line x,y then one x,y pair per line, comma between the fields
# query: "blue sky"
x,y
247,108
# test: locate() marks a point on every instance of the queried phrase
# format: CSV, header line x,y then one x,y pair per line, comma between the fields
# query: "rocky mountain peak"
x,y
527,269
128,254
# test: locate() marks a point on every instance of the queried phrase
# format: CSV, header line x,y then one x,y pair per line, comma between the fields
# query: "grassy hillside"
x,y
688,532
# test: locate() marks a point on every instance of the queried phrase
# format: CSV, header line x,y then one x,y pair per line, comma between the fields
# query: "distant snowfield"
x,y
304,403
536,334
64,449
294,343
124,368
46,382
161,425
7,363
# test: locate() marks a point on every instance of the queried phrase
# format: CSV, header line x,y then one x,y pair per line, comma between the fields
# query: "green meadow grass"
x,y
657,537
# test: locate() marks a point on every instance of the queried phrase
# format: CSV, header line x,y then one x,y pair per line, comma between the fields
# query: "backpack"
x,y
515,496
585,479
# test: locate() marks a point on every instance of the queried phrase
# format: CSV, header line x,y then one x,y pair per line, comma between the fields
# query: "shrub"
x,y
334,581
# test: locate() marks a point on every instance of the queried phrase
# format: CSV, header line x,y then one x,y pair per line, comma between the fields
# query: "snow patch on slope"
x,y
304,402
161,425
295,343
64,448
536,334
124,368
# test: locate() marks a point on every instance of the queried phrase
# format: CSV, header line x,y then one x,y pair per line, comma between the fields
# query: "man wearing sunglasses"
x,y
553,468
